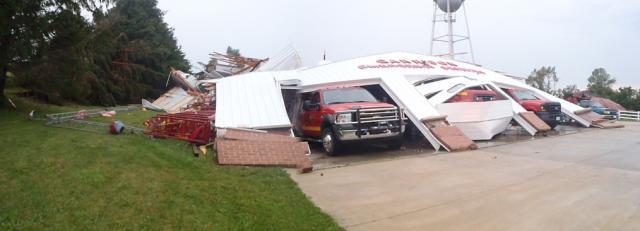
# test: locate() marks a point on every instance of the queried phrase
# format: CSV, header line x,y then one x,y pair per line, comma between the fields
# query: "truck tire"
x,y
394,144
330,143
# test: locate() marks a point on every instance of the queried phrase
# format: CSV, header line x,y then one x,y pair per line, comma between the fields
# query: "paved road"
x,y
584,181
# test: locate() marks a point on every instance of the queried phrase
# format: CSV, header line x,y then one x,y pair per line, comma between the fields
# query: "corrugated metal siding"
x,y
250,101
173,100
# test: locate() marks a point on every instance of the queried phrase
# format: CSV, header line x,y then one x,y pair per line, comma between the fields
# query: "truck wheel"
x,y
330,144
395,144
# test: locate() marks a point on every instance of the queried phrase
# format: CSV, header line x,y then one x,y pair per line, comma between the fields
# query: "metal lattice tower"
x,y
444,11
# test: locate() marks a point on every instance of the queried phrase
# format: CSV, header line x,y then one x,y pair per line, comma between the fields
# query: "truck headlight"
x,y
343,118
542,108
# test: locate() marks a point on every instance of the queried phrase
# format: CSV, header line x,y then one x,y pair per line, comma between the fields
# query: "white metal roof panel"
x,y
252,100
173,100
410,65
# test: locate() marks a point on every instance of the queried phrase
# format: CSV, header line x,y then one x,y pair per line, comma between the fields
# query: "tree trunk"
x,y
8,13
4,68
3,80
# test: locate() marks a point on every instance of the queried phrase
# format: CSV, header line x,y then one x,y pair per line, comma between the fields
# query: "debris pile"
x,y
598,120
172,101
191,95
193,127
228,65
190,111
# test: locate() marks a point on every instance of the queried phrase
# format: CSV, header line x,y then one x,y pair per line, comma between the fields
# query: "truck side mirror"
x,y
308,106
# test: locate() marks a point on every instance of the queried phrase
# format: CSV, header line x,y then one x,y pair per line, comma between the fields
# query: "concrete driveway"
x,y
584,181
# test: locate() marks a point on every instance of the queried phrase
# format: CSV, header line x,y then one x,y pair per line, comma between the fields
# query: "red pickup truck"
x,y
337,116
550,112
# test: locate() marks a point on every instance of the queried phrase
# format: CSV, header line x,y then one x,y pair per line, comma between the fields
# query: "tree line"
x,y
599,83
120,55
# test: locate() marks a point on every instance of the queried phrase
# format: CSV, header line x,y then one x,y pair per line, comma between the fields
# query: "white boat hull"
x,y
478,120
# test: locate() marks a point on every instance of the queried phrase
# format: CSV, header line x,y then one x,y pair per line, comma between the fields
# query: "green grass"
x,y
130,118
55,178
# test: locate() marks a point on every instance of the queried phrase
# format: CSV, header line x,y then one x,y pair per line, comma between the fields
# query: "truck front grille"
x,y
552,107
370,115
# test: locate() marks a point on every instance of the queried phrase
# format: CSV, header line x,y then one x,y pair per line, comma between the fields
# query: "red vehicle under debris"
x,y
337,116
475,95
550,112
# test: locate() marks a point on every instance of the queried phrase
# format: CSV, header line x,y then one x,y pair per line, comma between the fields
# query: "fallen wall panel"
x,y
257,148
535,121
250,101
451,137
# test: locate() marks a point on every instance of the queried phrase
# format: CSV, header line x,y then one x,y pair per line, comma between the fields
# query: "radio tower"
x,y
444,11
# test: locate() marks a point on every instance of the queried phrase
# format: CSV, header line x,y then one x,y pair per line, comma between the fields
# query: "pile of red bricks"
x,y
453,138
535,121
588,115
448,135
609,124
597,120
256,148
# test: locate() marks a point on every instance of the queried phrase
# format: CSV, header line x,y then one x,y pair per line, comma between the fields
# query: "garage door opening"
x,y
363,122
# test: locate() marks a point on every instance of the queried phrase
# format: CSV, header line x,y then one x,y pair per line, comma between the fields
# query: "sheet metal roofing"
x,y
407,66
173,100
250,101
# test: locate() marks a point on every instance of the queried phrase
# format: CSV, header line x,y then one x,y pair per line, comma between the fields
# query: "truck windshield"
x,y
524,95
347,95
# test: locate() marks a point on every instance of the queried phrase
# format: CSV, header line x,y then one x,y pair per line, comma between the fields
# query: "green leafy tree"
x,y
123,56
628,97
569,90
233,52
600,82
140,50
60,71
27,29
544,79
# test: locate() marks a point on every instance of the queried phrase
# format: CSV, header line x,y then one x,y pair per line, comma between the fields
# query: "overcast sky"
x,y
513,36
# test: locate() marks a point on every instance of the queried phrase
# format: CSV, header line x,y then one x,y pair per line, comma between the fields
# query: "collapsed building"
x,y
200,89
432,94
255,100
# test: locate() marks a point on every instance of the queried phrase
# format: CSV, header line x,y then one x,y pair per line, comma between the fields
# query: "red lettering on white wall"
x,y
418,64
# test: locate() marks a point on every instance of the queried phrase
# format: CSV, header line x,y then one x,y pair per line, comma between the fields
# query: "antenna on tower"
x,y
447,15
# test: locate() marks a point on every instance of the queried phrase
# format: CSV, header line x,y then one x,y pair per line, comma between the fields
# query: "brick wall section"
x,y
280,131
450,136
235,134
597,120
610,124
590,116
239,147
535,121
453,138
